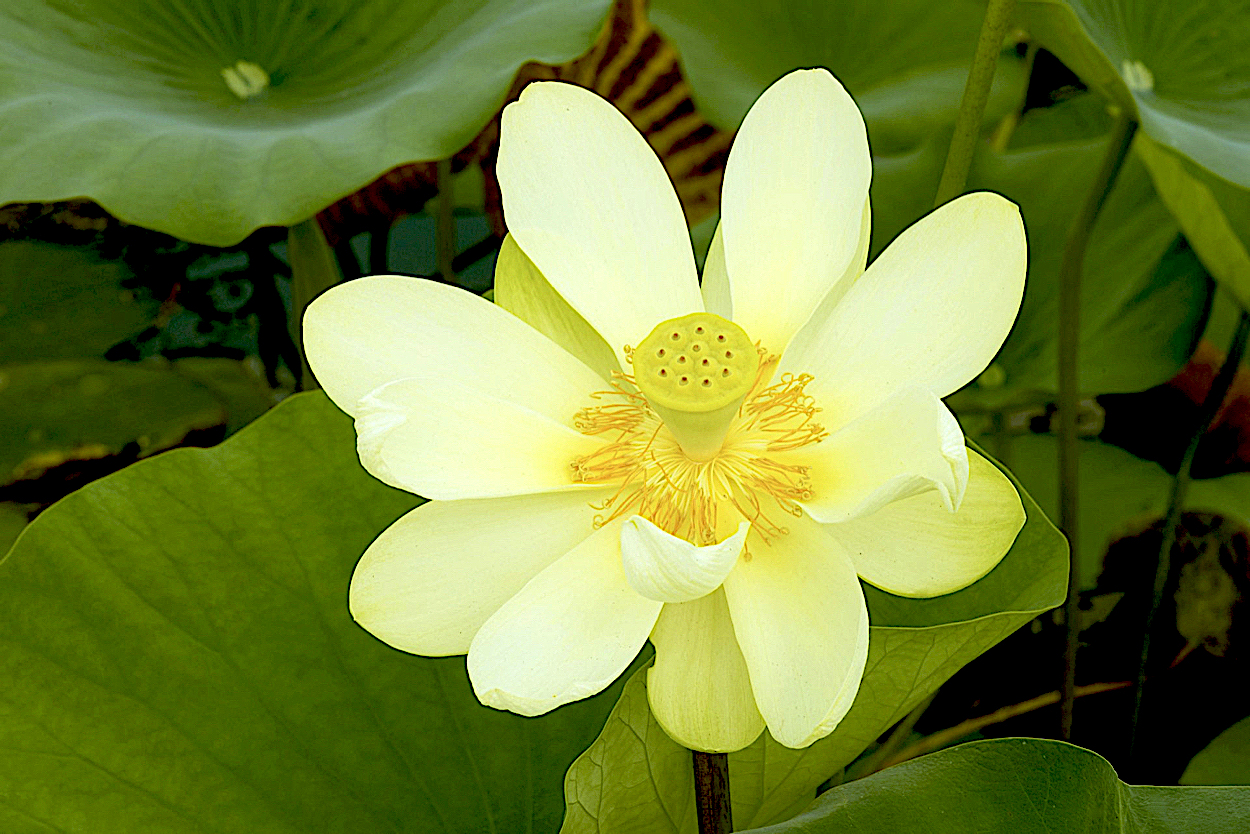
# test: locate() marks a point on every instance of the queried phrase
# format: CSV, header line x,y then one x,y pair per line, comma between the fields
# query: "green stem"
x,y
711,792
1070,391
445,228
314,269
976,94
1176,503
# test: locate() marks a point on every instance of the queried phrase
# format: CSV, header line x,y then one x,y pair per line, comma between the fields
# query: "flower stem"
x,y
1070,392
314,269
1176,503
972,106
711,792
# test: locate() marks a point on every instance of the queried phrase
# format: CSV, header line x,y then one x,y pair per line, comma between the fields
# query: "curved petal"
x,y
699,689
566,635
918,548
714,285
371,331
907,445
792,204
666,568
430,580
589,202
449,441
932,310
800,618
523,291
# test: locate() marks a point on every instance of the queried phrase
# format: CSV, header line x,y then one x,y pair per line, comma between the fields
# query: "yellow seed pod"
x,y
697,363
695,371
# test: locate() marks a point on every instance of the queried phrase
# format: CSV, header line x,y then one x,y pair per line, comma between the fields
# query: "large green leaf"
x,y
61,302
1144,295
1214,213
904,61
129,103
634,778
177,656
1225,761
1183,68
1021,785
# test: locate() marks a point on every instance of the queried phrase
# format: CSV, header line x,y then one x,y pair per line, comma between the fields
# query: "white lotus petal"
x,y
917,547
800,618
699,689
588,201
430,580
909,444
371,331
566,635
931,310
523,291
448,441
666,568
792,205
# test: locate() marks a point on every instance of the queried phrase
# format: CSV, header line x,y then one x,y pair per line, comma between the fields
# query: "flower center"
x,y
695,458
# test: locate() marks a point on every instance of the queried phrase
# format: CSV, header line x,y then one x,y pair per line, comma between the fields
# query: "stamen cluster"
x,y
702,501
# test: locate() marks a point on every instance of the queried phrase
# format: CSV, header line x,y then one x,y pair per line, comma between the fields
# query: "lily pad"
x,y
56,412
207,119
62,302
178,657
1022,785
634,778
1182,68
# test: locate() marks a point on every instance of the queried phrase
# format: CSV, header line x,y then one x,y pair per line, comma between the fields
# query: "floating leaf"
x,y
61,302
1021,785
178,657
207,119
634,778
57,412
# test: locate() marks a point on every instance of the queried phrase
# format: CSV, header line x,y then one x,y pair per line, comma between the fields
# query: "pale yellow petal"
x,y
430,580
907,445
371,331
792,205
800,618
931,310
566,635
715,284
588,201
448,441
523,291
699,689
666,568
918,548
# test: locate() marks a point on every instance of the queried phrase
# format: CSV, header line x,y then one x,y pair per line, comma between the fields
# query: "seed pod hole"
x,y
707,383
661,352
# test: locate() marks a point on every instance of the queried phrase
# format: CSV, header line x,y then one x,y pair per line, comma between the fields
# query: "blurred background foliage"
x,y
154,323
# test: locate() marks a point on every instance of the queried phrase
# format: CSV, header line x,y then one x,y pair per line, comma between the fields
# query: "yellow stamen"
x,y
699,500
